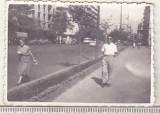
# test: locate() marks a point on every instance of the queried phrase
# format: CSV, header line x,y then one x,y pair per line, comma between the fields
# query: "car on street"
x,y
86,40
92,43
74,41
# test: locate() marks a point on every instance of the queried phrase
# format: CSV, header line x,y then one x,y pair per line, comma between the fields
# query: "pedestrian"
x,y
109,50
134,43
24,54
139,45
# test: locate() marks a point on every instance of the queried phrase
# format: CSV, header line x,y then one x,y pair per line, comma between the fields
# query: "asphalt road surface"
x,y
130,83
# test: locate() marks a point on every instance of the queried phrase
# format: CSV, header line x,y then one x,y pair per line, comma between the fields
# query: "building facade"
x,y
92,12
140,31
144,28
43,13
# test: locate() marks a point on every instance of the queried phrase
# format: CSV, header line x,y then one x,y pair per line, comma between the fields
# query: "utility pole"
x,y
128,23
120,23
97,41
128,27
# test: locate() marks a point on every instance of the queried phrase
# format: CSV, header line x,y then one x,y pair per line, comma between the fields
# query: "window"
x,y
49,8
44,8
44,17
38,15
38,7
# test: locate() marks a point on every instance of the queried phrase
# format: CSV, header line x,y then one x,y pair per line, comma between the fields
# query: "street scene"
x,y
130,84
51,43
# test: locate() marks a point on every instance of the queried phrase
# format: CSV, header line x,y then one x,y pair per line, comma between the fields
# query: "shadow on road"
x,y
66,64
97,80
85,57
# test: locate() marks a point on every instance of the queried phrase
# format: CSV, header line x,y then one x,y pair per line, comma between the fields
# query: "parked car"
x,y
86,40
126,42
74,41
92,43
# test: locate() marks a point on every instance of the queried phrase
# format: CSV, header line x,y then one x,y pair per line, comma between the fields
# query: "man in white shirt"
x,y
109,50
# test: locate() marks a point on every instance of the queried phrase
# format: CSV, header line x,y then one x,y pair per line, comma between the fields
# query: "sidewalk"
x,y
130,82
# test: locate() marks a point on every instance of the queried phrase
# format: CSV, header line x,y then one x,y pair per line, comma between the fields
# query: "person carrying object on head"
x,y
109,50
24,54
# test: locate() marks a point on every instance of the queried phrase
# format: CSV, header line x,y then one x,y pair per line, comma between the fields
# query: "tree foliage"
x,y
119,35
18,21
18,16
106,26
86,22
60,23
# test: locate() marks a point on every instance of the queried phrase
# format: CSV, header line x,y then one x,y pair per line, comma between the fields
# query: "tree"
x,y
60,24
20,13
86,22
106,26
18,21
17,15
115,34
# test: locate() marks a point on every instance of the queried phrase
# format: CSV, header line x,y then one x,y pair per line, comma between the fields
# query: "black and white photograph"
x,y
75,53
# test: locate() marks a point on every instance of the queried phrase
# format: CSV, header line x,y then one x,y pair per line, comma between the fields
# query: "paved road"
x,y
130,82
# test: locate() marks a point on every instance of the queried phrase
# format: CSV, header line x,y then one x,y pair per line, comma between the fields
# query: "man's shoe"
x,y
108,84
18,84
103,85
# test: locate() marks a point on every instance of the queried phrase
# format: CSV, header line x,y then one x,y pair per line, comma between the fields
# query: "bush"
x,y
35,36
39,42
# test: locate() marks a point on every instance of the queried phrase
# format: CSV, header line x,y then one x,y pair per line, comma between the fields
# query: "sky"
x,y
111,13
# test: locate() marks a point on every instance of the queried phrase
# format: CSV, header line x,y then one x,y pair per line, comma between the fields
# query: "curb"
x,y
53,91
35,87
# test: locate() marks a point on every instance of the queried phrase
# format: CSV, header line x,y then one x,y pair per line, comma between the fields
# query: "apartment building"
x,y
43,13
92,12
